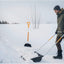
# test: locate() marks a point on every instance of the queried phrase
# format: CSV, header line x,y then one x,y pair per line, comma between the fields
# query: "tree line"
x,y
4,22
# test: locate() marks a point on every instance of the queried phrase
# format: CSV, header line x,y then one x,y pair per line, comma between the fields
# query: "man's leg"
x,y
58,45
59,52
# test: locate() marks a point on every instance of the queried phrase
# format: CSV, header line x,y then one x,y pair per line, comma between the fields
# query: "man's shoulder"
x,y
62,16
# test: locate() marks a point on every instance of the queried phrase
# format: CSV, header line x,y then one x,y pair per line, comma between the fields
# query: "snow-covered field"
x,y
12,40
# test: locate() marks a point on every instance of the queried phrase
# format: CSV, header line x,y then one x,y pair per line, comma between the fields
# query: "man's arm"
x,y
60,23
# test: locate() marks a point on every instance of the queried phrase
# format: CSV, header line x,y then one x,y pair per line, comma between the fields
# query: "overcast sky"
x,y
22,11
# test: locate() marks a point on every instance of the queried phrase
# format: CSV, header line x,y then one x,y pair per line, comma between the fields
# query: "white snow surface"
x,y
14,36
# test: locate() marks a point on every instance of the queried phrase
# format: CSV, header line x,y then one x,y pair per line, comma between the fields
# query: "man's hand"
x,y
56,32
59,32
62,32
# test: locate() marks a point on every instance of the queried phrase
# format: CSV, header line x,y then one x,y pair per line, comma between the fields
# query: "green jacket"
x,y
60,21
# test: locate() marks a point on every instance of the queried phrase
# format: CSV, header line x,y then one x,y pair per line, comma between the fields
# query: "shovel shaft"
x,y
28,36
59,39
51,37
28,23
46,42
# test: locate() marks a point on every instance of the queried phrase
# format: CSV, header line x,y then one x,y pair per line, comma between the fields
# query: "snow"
x,y
12,40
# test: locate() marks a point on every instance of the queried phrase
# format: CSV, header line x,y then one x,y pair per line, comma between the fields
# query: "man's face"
x,y
56,11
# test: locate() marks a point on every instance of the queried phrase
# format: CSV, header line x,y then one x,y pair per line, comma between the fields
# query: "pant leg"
x,y
58,45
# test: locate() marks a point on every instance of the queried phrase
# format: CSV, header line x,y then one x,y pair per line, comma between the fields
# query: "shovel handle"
x,y
51,37
45,42
28,23
59,39
28,36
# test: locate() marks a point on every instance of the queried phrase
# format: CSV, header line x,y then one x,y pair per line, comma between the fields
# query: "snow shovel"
x,y
27,44
39,58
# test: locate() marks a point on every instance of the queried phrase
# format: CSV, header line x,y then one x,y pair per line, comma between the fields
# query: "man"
x,y
60,30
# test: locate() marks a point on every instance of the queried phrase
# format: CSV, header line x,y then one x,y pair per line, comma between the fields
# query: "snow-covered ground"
x,y
12,40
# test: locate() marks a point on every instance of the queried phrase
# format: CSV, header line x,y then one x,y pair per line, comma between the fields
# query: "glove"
x,y
59,32
56,32
62,32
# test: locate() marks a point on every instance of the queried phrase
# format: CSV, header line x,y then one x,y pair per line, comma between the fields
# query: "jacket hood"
x,y
61,12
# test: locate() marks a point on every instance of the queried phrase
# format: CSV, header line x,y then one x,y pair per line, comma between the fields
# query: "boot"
x,y
59,55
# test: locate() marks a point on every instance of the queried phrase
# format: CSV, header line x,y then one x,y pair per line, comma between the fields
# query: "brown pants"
x,y
59,43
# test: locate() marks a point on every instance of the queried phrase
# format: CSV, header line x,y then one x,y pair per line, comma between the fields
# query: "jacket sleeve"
x,y
60,23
